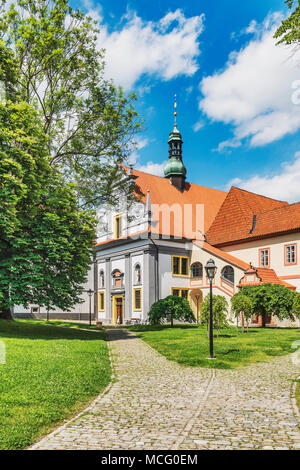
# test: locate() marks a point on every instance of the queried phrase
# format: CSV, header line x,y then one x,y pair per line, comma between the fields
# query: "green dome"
x,y
174,167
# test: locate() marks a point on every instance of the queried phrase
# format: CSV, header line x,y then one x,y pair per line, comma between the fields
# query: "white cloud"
x,y
198,125
166,48
140,143
153,168
283,185
254,91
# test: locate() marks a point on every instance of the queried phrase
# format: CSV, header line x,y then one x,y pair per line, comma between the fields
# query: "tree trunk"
x,y
243,323
237,323
172,322
5,310
5,314
263,317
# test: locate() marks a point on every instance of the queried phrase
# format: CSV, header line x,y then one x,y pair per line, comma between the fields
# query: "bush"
x,y
242,305
169,309
220,310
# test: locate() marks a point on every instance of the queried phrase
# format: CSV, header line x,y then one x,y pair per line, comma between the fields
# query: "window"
x,y
227,274
290,254
117,226
264,258
180,265
137,274
180,292
117,278
101,303
137,299
101,279
196,270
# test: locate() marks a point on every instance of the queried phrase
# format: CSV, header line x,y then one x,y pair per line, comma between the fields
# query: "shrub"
x,y
220,311
169,309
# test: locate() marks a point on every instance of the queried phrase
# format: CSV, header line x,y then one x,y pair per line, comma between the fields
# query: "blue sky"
x,y
238,100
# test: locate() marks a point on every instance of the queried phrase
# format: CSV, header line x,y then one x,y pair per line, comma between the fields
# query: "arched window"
x,y
117,278
228,274
101,279
197,270
137,274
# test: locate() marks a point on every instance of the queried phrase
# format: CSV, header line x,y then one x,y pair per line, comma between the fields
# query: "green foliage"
x,y
50,373
289,30
271,299
45,240
242,305
220,311
296,305
169,309
89,123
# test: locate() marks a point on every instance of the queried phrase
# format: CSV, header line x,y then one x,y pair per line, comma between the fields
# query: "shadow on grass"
x,y
35,330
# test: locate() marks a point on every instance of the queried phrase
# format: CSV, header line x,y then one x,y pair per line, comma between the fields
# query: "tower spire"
x,y
175,170
175,110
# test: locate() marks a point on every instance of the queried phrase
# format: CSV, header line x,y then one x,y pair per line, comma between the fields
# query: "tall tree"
x,y
289,30
90,124
45,239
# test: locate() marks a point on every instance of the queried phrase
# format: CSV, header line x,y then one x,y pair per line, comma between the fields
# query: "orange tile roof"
x,y
222,254
234,220
281,219
163,192
268,276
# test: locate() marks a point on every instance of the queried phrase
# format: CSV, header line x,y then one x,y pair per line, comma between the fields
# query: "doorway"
x,y
196,298
118,310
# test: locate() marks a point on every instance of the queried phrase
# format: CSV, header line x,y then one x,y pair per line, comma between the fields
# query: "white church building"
x,y
173,229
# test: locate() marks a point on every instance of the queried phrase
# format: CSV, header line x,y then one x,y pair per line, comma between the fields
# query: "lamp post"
x,y
211,269
197,297
90,293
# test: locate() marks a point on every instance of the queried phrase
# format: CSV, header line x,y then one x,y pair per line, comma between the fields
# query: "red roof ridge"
x,y
257,194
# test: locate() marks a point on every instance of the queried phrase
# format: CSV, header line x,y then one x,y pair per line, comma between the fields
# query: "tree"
x,y
296,306
220,310
169,309
271,299
89,123
45,240
241,305
289,31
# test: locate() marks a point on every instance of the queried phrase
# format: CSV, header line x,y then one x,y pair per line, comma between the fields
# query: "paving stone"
x,y
158,404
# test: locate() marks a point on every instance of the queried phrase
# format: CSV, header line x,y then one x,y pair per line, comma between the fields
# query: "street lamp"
x,y
211,269
90,293
198,297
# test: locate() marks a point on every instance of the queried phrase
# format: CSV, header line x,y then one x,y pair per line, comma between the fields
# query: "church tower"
x,y
175,169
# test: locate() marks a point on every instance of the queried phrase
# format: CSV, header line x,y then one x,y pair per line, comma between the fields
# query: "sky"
x,y
238,93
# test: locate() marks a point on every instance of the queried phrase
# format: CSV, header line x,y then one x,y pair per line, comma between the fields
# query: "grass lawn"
x,y
50,373
189,344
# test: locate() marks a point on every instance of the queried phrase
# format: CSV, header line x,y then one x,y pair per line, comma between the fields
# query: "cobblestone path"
x,y
158,404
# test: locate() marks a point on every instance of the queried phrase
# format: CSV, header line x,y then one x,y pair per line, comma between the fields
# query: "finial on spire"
x,y
175,110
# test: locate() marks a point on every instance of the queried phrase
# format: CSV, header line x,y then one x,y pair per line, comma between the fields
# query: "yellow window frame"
x,y
100,294
180,289
180,266
134,299
116,218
